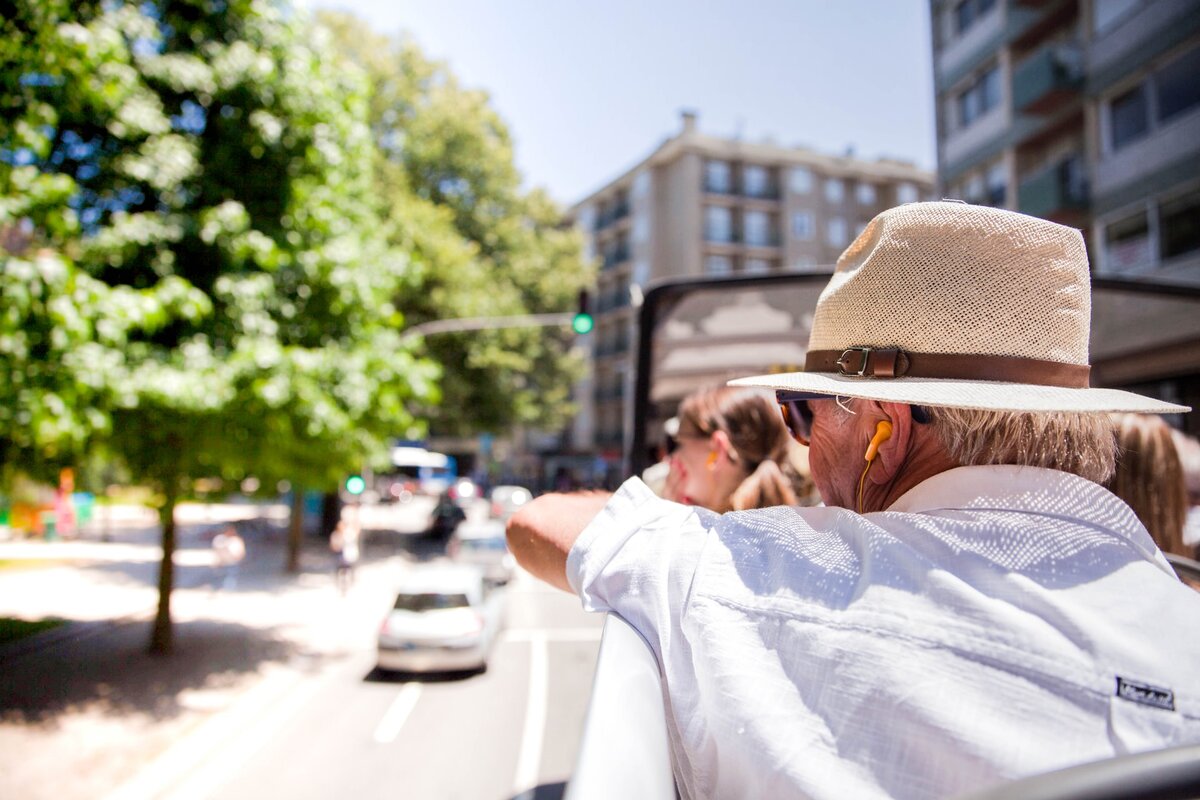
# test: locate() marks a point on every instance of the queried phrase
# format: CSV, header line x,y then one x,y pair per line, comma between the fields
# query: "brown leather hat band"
x,y
890,362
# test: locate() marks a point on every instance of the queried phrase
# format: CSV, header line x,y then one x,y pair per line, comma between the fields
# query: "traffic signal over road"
x,y
582,322
355,484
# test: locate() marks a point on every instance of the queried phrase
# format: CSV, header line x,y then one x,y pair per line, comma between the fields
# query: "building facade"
x,y
706,206
1086,112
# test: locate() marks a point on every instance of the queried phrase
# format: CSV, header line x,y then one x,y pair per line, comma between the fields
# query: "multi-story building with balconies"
x,y
701,205
1086,112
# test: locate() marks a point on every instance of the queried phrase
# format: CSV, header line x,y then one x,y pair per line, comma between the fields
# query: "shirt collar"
x,y
983,486
1030,490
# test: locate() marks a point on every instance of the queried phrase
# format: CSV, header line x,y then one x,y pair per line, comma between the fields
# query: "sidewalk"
x,y
82,712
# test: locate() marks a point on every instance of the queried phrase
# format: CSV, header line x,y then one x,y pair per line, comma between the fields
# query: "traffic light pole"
x,y
489,323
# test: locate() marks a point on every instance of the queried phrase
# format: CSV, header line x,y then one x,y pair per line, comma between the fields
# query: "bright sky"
x,y
588,89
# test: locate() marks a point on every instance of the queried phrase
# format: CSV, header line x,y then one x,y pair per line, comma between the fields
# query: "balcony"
x,y
768,241
619,347
762,193
612,301
615,257
1047,78
1056,191
739,238
612,215
609,394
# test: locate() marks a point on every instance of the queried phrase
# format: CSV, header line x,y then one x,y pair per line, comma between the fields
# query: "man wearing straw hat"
x,y
971,606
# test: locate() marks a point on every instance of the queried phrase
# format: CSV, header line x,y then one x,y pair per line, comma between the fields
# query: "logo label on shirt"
x,y
1145,694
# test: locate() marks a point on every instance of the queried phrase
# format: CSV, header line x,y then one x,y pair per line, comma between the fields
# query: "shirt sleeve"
x,y
638,558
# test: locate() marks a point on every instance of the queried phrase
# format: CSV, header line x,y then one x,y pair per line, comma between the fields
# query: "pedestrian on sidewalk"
x,y
228,552
344,544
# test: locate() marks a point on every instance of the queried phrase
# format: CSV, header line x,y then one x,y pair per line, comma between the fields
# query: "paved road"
x,y
272,690
359,733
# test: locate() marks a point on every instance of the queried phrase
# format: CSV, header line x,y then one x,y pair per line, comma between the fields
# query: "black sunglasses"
x,y
798,417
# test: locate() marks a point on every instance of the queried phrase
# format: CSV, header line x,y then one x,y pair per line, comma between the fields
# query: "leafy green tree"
x,y
214,163
481,245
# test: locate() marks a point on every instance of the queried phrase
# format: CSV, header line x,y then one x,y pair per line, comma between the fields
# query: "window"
x,y
906,193
1129,116
718,265
866,194
802,225
804,263
968,12
718,224
980,97
997,185
430,602
836,232
757,228
1169,91
716,177
1179,226
1177,87
834,190
1127,243
757,266
801,180
756,181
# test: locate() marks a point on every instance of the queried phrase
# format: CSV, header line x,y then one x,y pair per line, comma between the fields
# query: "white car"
x,y
483,545
443,620
506,500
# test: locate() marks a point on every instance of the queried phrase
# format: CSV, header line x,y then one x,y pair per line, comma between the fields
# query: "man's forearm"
x,y
540,535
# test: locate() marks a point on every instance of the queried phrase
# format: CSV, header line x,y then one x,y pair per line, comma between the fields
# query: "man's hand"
x,y
540,535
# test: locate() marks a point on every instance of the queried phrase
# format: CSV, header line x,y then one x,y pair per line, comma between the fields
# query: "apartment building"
x,y
1086,112
701,205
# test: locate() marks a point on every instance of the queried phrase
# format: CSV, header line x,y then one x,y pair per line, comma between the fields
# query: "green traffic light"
x,y
582,323
355,484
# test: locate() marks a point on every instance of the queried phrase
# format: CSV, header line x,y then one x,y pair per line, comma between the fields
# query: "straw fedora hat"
x,y
956,305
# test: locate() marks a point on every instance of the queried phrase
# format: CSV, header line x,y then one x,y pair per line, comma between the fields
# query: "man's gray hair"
x,y
1082,444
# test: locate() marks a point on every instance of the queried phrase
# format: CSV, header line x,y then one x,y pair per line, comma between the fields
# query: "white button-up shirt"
x,y
995,622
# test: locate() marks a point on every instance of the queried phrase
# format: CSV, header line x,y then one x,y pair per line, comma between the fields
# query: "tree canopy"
x,y
481,245
217,221
208,174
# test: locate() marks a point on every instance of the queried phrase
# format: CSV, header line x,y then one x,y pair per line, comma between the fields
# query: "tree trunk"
x,y
161,638
331,512
295,530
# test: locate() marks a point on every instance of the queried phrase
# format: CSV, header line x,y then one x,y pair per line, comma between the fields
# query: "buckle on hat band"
x,y
844,361
874,362
891,362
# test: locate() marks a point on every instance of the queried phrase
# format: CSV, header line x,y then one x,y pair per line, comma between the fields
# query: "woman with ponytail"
x,y
734,453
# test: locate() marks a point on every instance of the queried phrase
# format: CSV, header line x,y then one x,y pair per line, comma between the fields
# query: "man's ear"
x,y
892,451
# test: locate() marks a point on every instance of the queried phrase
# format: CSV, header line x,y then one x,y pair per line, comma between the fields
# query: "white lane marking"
x,y
397,714
530,757
552,634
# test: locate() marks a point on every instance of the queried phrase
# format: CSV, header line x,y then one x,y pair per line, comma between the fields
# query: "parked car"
x,y
483,545
506,500
443,620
